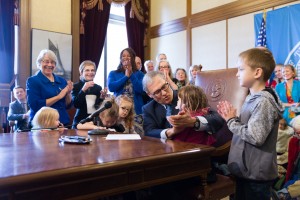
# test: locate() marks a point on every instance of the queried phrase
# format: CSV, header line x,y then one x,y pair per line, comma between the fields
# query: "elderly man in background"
x,y
149,66
138,63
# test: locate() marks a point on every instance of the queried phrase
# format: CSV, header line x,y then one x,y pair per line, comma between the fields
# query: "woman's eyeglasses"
x,y
47,62
163,88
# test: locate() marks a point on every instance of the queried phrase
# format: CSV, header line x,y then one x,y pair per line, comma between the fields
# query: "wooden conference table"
x,y
34,165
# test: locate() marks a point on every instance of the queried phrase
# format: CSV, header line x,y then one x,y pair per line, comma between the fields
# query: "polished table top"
x,y
32,156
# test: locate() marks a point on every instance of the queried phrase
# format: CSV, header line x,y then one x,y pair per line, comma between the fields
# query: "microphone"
x,y
107,105
37,129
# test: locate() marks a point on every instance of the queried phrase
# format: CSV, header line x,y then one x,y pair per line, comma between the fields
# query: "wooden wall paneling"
x,y
169,27
24,42
75,39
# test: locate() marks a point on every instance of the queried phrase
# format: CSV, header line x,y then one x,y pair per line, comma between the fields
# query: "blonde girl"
x,y
126,113
45,118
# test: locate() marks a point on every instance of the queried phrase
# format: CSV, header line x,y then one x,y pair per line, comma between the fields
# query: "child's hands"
x,y
226,110
103,93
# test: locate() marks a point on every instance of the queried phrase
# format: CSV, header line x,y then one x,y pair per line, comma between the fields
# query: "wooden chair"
x,y
11,126
220,85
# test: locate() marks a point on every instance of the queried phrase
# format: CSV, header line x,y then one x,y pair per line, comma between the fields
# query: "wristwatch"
x,y
197,124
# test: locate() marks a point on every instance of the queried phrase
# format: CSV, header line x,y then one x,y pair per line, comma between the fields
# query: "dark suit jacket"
x,y
155,117
15,113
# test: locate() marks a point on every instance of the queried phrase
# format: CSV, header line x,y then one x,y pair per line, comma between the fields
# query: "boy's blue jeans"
x,y
252,190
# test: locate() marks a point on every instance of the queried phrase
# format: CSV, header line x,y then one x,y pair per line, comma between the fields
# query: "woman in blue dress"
x,y
47,89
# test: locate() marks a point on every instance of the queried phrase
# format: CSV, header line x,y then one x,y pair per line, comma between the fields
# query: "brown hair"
x,y
282,121
129,120
259,58
17,87
292,68
132,60
186,76
170,68
193,97
113,111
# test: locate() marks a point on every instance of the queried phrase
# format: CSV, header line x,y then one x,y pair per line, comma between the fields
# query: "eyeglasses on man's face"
x,y
47,62
163,88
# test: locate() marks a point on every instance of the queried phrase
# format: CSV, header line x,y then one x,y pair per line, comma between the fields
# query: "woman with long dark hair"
x,y
127,79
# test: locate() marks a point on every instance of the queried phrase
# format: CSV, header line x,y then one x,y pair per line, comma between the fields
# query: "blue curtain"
x,y
6,40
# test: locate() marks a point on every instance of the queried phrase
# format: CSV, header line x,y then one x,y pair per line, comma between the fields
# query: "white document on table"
x,y
123,137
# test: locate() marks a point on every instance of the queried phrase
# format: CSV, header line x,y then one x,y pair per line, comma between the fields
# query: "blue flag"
x,y
283,34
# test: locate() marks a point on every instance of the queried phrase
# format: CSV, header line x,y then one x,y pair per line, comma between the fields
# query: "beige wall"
x,y
209,45
214,45
166,10
54,15
174,51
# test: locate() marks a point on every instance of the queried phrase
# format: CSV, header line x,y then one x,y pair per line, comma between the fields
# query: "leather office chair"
x,y
220,85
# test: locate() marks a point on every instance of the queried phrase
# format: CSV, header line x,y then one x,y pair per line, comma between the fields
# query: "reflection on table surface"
x,y
32,152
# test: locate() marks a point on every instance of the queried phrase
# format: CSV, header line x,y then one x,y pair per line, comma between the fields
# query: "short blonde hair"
x,y
292,68
45,118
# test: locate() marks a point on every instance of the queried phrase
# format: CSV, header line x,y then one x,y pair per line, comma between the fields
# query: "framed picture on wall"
x,y
60,44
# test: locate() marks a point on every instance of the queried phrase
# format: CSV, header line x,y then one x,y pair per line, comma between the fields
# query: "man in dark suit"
x,y
18,109
160,114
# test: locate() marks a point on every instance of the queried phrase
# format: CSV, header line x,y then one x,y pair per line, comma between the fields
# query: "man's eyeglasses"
x,y
163,88
47,62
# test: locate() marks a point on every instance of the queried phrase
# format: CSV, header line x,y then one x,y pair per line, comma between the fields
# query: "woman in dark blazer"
x,y
87,96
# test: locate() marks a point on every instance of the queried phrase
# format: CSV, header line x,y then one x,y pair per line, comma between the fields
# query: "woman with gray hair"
x,y
87,96
47,89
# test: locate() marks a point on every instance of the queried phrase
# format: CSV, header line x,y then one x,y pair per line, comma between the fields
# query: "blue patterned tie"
x,y
168,113
169,110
